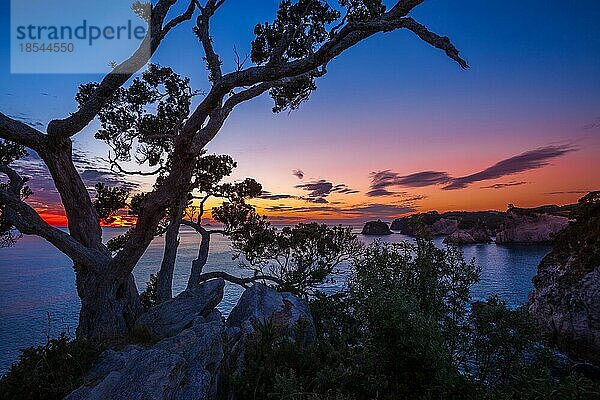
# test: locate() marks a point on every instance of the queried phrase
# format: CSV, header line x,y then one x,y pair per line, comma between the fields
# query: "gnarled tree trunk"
x,y
109,304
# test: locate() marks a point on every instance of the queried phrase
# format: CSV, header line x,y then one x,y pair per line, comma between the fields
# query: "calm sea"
x,y
38,298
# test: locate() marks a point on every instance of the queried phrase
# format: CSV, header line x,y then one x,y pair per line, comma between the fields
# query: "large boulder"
x,y
182,367
530,228
173,316
376,228
261,304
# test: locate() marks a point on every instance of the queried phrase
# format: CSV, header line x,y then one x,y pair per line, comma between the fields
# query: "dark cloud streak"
x,y
529,160
504,185
382,181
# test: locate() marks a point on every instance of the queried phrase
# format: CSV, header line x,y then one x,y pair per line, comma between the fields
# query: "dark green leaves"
x,y
290,96
109,200
145,117
295,33
363,10
303,256
210,170
10,152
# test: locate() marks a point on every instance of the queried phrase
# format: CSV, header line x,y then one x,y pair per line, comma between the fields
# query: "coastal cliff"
x,y
457,226
194,350
566,298
478,234
530,227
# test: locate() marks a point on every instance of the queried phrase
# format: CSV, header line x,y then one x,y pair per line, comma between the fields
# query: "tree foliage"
x,y
149,120
581,238
9,153
301,257
109,200
49,372
143,118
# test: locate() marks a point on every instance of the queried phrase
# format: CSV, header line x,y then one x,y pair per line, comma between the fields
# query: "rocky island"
x,y
376,228
516,225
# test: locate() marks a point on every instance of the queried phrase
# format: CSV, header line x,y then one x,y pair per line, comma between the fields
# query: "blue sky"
x,y
393,102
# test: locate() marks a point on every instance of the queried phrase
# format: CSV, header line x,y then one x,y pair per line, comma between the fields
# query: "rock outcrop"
x,y
469,236
530,228
183,367
376,228
443,227
447,223
566,297
568,307
261,304
171,317
198,351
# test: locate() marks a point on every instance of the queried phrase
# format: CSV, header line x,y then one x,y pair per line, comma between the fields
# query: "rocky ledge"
x,y
376,228
197,349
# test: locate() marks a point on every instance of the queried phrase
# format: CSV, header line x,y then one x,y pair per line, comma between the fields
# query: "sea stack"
x,y
376,228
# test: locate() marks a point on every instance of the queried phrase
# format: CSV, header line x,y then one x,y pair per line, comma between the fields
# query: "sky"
x,y
395,127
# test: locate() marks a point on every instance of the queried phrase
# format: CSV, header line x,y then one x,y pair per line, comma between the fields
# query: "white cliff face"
x,y
566,304
536,228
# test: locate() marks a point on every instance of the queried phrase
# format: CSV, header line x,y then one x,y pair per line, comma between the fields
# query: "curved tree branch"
x,y
29,222
87,112
349,35
442,43
203,32
21,133
238,280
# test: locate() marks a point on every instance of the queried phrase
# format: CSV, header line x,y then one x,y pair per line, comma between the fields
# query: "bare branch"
x,y
200,229
19,132
186,16
244,282
116,167
442,43
239,62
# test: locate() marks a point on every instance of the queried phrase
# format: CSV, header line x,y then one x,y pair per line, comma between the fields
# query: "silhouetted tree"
x,y
152,122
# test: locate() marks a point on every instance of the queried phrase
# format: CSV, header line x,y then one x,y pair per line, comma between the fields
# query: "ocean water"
x,y
38,299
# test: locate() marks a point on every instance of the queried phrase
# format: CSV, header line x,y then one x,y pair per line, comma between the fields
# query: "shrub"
x,y
148,297
49,372
403,328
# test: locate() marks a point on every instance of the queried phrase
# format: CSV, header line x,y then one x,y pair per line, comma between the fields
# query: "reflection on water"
x,y
38,297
